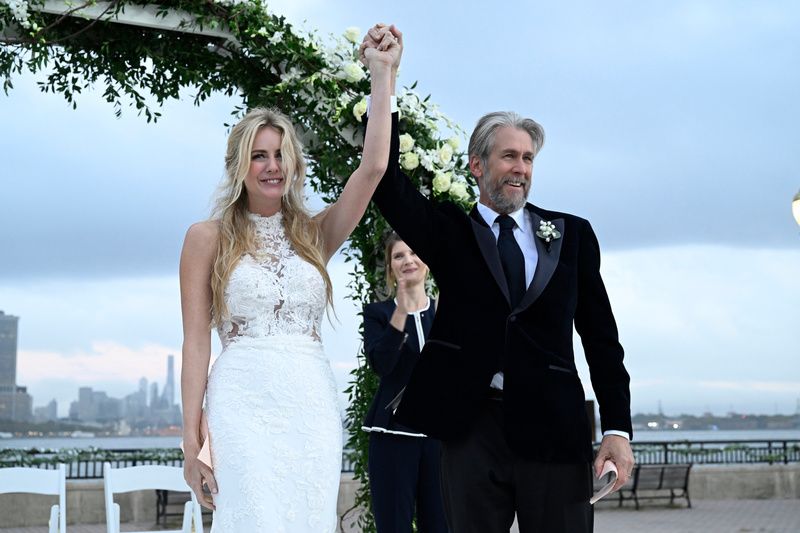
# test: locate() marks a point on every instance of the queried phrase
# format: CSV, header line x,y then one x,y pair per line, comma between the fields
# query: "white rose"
x,y
458,191
441,182
445,154
406,143
353,73
276,38
454,143
409,160
360,108
352,34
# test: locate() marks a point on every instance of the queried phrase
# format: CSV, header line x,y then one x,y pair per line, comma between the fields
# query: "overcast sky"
x,y
672,126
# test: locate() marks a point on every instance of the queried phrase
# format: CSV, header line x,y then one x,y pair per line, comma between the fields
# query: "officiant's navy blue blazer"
x,y
392,354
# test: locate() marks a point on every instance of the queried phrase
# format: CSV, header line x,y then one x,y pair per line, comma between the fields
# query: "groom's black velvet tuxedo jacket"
x,y
476,333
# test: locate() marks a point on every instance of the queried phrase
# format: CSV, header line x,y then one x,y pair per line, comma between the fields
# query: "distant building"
x,y
86,408
154,400
143,389
8,350
95,406
46,413
133,412
168,394
15,402
135,404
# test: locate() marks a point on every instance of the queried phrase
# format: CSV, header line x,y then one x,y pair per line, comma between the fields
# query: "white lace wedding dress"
x,y
273,413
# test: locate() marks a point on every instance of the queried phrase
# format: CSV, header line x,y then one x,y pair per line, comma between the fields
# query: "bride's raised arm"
x,y
381,53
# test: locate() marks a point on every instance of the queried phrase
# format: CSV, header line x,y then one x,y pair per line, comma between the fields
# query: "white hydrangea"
x,y
276,38
427,158
411,106
19,10
294,74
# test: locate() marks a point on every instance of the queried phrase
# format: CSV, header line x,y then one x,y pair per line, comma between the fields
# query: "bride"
x,y
256,272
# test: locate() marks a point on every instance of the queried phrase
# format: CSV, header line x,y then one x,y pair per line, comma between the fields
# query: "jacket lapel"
x,y
488,246
546,263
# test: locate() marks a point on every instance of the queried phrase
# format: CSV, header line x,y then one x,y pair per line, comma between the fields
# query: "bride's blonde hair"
x,y
236,231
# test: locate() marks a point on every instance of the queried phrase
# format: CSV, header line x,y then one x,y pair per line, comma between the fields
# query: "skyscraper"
x,y
8,350
168,393
15,402
154,396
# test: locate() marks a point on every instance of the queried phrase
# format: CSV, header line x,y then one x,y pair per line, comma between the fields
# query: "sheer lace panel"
x,y
277,280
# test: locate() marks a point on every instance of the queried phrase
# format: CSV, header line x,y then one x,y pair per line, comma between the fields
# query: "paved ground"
x,y
706,516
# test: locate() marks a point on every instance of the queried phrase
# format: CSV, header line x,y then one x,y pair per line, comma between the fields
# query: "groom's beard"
x,y
507,203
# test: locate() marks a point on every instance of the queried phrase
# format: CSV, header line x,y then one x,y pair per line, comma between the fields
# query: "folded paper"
x,y
610,470
205,450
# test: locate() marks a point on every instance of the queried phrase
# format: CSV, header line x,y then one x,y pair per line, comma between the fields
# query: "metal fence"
x,y
718,452
88,464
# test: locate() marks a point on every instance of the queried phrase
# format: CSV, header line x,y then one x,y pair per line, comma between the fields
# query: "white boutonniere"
x,y
548,233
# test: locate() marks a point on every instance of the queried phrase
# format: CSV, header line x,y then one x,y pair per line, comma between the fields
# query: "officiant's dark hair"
x,y
481,141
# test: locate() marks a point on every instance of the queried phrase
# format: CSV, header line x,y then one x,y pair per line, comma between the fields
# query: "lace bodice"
x,y
273,291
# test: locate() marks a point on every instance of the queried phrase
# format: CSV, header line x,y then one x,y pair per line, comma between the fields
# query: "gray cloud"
x,y
666,124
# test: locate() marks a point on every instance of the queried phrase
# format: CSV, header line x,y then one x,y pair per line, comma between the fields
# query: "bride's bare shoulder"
x,y
202,236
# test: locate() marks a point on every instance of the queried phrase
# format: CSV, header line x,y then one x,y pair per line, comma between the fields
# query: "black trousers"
x,y
403,474
485,484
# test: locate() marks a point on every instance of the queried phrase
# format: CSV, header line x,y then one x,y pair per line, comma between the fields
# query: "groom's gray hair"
x,y
481,141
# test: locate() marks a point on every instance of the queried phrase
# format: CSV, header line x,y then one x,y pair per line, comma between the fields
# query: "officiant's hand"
x,y
617,450
404,296
198,474
383,44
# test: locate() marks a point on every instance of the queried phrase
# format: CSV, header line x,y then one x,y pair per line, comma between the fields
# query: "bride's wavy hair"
x,y
236,230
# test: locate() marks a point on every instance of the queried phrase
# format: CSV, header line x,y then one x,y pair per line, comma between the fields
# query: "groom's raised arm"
x,y
411,215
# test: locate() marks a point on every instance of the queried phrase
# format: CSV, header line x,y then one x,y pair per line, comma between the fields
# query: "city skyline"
x,y
671,127
91,405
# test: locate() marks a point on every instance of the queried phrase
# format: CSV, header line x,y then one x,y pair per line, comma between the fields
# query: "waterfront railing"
x,y
718,452
87,463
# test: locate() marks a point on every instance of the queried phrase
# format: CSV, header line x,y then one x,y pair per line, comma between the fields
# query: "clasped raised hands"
x,y
382,47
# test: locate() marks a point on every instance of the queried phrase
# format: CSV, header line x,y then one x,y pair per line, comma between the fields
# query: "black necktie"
x,y
512,259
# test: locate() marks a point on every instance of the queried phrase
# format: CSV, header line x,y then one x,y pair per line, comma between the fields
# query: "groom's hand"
x,y
382,38
617,450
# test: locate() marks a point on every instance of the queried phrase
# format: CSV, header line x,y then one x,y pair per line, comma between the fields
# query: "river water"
x,y
173,442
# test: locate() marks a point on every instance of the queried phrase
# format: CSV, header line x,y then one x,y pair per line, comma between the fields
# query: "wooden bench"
x,y
651,481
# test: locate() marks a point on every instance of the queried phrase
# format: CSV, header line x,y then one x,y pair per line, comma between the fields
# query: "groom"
x,y
497,381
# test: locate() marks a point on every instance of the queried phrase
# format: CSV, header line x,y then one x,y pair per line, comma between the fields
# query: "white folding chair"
x,y
146,478
40,481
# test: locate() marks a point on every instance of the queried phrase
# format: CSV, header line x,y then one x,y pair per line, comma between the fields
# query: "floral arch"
x,y
144,53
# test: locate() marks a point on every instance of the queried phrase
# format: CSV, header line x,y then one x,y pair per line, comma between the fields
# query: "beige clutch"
x,y
205,449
